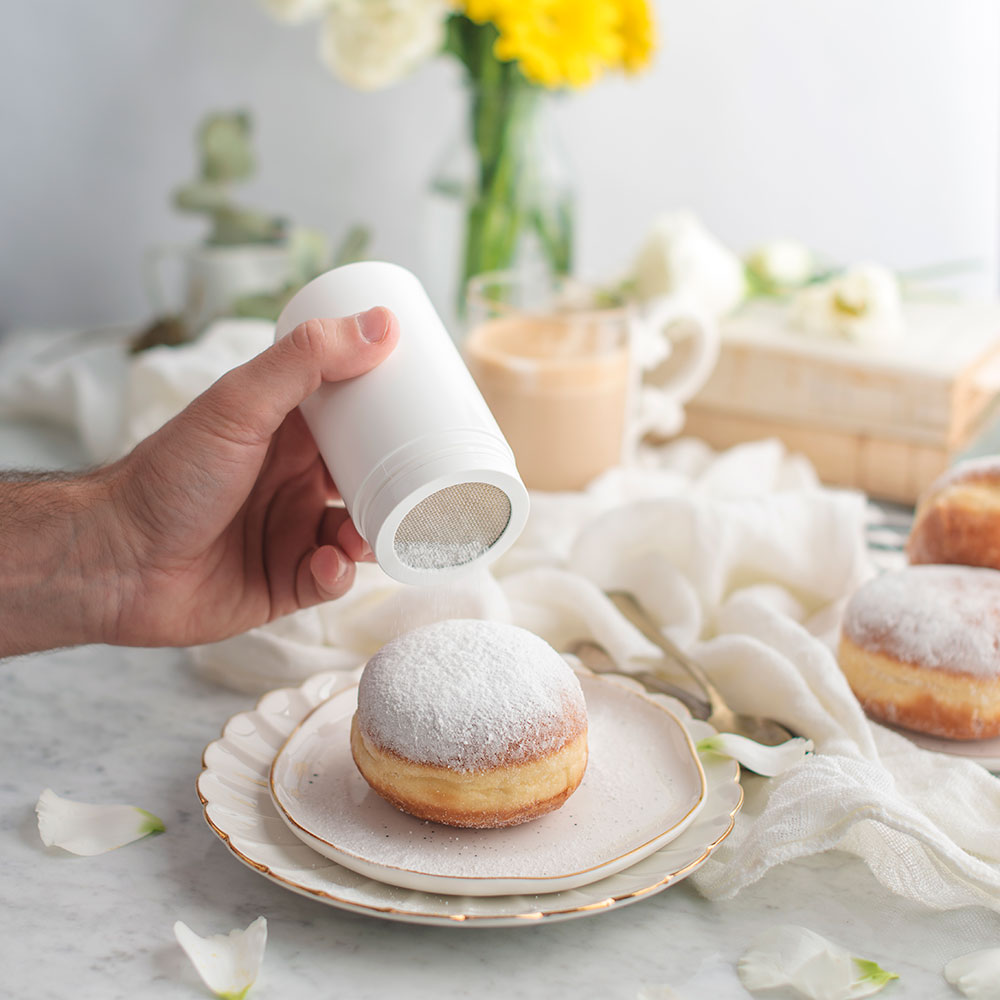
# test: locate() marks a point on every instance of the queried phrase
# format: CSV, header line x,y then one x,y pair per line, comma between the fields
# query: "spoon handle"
x,y
596,658
640,618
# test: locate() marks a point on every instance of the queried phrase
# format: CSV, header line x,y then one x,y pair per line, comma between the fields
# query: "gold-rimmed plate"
x,y
643,787
234,790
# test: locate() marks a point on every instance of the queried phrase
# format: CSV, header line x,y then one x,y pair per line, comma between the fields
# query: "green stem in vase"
x,y
511,197
555,231
499,113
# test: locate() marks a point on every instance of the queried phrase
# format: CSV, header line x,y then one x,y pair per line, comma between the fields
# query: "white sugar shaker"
x,y
423,469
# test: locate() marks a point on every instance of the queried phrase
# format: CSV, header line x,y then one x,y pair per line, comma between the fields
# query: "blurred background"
x,y
866,130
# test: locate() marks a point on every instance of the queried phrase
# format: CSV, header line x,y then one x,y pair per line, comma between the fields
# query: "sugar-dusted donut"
x,y
958,517
919,648
470,723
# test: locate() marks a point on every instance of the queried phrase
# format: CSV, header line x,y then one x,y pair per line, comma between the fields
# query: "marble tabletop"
x,y
99,724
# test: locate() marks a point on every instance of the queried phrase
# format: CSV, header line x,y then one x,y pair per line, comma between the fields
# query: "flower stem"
x,y
511,197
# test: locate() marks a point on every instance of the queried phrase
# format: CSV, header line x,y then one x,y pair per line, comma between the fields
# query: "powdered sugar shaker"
x,y
423,469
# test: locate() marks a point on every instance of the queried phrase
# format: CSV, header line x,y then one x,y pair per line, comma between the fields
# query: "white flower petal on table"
x,y
976,975
227,963
85,829
787,955
758,757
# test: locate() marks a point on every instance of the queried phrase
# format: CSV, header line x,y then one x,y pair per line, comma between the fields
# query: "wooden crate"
x,y
886,419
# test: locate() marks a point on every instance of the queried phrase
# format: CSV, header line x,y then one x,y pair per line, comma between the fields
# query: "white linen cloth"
x,y
88,383
741,556
68,379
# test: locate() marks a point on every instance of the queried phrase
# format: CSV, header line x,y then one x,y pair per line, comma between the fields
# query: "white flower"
x,y
781,265
227,964
371,44
861,305
85,829
681,258
758,757
657,993
976,975
295,11
787,955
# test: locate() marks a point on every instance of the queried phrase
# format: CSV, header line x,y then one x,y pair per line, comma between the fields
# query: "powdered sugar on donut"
x,y
945,617
469,695
971,470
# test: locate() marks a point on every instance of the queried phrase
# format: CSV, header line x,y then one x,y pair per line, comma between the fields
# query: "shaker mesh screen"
x,y
453,526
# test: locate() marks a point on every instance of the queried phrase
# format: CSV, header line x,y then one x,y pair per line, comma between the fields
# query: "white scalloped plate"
x,y
233,788
643,787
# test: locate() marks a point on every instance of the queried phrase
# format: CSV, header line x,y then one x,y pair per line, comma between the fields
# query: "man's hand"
x,y
214,524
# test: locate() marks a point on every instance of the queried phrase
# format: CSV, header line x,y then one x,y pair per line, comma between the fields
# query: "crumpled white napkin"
x,y
90,384
70,379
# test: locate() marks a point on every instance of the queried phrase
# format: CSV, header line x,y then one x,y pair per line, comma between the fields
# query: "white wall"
x,y
867,127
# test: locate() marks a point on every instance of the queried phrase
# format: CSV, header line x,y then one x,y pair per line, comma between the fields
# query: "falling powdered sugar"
x,y
469,695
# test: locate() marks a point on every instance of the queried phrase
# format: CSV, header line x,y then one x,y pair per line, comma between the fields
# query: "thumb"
x,y
251,401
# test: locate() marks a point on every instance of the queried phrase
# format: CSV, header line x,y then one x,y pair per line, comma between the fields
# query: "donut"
x,y
958,518
919,648
470,723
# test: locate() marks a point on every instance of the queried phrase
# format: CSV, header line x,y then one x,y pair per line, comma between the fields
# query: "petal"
x,y
762,759
787,955
87,829
373,45
227,963
977,974
657,993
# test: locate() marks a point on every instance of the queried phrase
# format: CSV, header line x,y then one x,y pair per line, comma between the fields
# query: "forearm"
x,y
58,579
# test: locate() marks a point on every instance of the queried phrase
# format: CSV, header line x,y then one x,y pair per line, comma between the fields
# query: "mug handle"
x,y
659,403
657,317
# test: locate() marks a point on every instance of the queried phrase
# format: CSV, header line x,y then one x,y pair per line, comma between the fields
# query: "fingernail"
x,y
373,324
343,565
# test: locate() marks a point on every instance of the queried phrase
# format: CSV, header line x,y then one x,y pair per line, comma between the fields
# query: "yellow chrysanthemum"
x,y
555,42
479,11
638,34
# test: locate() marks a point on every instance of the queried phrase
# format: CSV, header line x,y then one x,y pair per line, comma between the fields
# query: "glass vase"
x,y
501,198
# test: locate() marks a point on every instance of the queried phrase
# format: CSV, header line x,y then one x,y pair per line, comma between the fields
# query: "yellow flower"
x,y
479,11
561,42
638,34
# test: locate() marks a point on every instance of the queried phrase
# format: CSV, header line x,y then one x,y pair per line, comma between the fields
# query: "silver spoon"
x,y
596,658
721,716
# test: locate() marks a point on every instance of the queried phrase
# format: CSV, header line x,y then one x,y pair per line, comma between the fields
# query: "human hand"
x,y
219,521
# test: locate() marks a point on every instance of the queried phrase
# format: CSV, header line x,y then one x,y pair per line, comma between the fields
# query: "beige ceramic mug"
x,y
562,371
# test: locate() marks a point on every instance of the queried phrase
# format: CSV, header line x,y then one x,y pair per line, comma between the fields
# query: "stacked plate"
x,y
281,790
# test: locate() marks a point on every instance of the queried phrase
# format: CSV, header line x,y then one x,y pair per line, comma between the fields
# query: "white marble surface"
x,y
123,725
120,725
